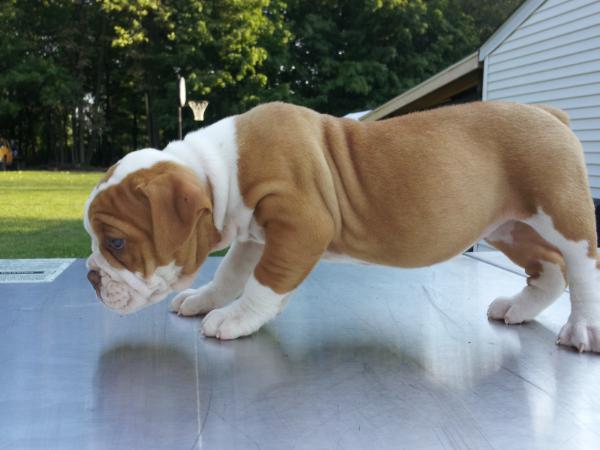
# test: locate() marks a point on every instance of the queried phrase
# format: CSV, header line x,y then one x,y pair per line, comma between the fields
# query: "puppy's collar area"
x,y
212,153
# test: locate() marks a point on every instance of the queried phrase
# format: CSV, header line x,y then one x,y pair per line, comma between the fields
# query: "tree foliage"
x,y
85,82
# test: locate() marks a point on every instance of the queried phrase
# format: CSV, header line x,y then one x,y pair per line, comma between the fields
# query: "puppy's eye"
x,y
116,244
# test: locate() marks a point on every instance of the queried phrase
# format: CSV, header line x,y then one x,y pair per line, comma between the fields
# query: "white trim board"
x,y
440,79
32,270
509,26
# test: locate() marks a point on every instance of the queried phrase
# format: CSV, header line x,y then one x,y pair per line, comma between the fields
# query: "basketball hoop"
x,y
198,109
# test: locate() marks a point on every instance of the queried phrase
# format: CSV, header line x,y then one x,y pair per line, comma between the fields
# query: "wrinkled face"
x,y
150,220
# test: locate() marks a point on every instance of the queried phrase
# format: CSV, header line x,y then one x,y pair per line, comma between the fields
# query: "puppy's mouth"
x,y
127,292
116,295
125,299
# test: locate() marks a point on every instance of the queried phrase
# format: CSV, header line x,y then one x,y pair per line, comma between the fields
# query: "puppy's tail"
x,y
558,113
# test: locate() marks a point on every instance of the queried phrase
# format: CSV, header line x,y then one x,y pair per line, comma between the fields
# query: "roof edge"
x,y
440,79
520,15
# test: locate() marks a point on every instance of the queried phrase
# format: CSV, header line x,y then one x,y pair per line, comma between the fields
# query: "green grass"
x,y
41,214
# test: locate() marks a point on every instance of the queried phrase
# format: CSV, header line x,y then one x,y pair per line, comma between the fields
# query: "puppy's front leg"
x,y
227,284
257,305
291,251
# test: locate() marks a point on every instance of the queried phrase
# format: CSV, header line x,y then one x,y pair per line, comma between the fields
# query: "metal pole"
x,y
182,100
180,125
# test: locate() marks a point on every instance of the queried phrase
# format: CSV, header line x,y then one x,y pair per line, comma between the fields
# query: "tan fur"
x,y
409,191
163,212
558,113
528,249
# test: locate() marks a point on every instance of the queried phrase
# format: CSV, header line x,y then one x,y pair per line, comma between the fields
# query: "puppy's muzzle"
x,y
96,281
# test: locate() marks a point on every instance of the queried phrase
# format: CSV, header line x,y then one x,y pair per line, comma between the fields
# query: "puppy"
x,y
285,187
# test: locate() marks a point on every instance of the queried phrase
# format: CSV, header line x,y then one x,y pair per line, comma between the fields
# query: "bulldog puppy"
x,y
285,187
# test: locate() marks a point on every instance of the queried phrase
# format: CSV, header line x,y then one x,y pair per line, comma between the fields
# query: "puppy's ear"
x,y
176,203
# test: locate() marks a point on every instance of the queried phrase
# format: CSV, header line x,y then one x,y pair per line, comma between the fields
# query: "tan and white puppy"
x,y
286,186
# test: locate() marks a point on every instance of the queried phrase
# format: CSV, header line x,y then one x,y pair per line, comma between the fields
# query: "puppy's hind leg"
x,y
572,230
543,264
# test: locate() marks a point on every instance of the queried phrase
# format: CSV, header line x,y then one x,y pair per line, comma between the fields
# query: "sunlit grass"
x,y
41,213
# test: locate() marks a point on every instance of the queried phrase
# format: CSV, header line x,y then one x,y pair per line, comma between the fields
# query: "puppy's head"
x,y
151,224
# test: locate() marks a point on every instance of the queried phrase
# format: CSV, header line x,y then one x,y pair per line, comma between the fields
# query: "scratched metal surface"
x,y
362,357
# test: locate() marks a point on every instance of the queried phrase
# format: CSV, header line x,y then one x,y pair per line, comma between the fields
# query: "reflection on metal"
x,y
361,357
32,270
497,259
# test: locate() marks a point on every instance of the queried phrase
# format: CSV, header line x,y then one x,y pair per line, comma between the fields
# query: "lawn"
x,y
41,214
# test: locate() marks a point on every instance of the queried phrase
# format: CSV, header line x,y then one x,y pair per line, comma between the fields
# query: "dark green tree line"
x,y
83,82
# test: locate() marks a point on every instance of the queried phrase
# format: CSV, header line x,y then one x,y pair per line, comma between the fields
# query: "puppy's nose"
x,y
95,280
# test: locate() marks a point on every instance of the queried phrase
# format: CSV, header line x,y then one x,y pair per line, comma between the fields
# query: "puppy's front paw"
x,y
581,334
232,321
509,310
180,298
192,302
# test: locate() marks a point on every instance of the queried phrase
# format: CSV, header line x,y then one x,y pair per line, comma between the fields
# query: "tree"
x,y
216,46
348,54
85,82
488,15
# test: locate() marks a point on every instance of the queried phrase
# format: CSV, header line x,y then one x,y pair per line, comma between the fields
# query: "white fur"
x,y
227,284
533,299
257,305
213,152
128,292
141,159
582,330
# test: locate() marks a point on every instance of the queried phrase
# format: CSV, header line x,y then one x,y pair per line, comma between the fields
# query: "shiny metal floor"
x,y
362,357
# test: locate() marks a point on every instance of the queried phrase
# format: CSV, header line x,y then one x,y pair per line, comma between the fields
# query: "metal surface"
x,y
362,357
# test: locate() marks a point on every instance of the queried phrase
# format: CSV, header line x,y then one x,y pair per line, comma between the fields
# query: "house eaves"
x,y
447,76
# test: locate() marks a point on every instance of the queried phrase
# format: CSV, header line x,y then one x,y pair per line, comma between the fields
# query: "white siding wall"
x,y
554,57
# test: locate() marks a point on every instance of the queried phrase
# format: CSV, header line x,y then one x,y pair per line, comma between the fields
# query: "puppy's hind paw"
x,y
581,334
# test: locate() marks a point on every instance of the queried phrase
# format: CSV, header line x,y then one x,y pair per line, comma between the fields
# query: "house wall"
x,y
553,57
